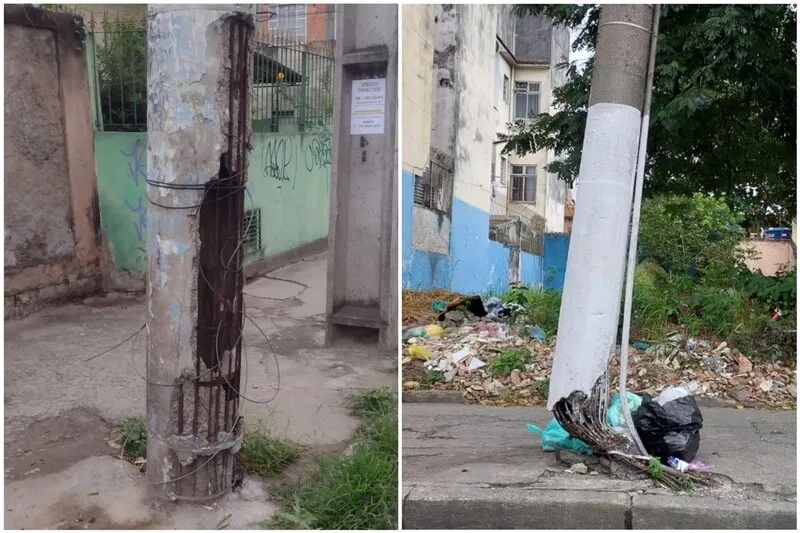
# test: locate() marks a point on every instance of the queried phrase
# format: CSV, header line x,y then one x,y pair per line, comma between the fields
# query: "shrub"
x,y
687,233
651,304
542,308
780,290
719,310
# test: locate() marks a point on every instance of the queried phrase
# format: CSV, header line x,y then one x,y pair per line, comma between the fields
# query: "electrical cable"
x,y
638,186
116,345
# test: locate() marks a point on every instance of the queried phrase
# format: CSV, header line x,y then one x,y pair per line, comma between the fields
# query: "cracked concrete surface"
x,y
60,410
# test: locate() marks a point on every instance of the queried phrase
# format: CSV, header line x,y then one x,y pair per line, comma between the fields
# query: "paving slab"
x,y
478,454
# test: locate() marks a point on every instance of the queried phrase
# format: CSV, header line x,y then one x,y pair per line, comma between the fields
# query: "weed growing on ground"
x,y
655,468
434,376
358,490
510,360
132,435
541,308
543,387
264,454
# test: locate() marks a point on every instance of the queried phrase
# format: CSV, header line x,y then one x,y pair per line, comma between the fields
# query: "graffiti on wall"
x,y
137,169
284,157
299,163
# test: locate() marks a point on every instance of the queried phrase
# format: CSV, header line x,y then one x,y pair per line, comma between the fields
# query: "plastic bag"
x,y
614,416
672,393
554,437
672,429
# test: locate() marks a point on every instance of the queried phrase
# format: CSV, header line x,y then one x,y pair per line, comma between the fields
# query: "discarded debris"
x,y
421,353
578,468
669,425
706,369
439,305
536,333
554,437
225,522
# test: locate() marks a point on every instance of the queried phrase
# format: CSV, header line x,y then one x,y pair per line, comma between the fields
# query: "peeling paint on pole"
x,y
189,69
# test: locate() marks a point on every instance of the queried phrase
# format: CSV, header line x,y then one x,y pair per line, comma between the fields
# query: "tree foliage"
x,y
724,110
122,75
690,232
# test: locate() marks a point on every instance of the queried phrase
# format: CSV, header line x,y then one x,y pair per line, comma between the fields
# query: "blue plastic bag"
x,y
614,415
554,437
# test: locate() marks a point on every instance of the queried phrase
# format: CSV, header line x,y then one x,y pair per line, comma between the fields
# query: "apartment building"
x,y
297,23
527,60
475,220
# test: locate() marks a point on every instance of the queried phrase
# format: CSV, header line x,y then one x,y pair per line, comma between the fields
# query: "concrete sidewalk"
x,y
60,411
476,467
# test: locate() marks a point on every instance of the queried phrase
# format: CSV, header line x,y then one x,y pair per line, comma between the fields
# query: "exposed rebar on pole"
x,y
596,263
199,85
634,238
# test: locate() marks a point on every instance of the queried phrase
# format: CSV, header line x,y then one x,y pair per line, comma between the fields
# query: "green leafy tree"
x,y
724,111
690,232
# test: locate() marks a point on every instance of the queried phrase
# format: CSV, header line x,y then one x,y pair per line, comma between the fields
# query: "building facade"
x,y
474,219
297,23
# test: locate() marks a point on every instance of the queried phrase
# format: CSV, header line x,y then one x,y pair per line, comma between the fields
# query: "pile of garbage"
x,y
668,425
459,351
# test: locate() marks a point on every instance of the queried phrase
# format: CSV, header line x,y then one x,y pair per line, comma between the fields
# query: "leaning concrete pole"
x,y
590,305
198,112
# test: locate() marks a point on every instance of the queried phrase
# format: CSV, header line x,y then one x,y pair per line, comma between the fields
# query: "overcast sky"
x,y
581,56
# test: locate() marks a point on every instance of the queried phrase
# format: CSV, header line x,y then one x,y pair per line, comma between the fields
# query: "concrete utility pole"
x,y
592,293
362,234
199,89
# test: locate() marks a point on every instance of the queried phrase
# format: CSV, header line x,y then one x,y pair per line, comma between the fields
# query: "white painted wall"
x,y
475,71
417,34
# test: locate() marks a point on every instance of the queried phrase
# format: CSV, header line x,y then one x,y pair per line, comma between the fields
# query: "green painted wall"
x,y
288,180
121,173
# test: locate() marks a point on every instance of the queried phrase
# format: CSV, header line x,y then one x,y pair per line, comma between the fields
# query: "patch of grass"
x,y
358,490
510,360
264,454
132,435
375,402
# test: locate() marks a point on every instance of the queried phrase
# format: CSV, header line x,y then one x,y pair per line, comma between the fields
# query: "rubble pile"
x,y
461,352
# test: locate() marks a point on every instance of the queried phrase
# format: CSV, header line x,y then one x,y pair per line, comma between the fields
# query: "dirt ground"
x,y
62,469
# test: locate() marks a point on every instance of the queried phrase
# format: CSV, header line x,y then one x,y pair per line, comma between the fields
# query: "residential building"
x,y
475,220
527,70
297,23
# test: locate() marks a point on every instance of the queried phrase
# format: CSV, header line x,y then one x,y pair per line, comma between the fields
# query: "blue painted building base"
x,y
475,264
556,249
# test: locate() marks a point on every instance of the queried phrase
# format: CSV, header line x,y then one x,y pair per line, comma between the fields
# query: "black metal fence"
x,y
292,82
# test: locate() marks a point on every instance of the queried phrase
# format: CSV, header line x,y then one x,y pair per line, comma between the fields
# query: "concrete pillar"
x,y
362,234
590,305
194,132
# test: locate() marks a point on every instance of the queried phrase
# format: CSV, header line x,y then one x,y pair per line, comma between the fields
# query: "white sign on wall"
x,y
368,107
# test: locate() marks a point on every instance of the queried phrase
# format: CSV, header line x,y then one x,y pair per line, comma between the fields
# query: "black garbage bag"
x,y
672,429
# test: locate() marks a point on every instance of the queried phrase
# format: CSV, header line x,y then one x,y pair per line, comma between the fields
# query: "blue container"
x,y
778,234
